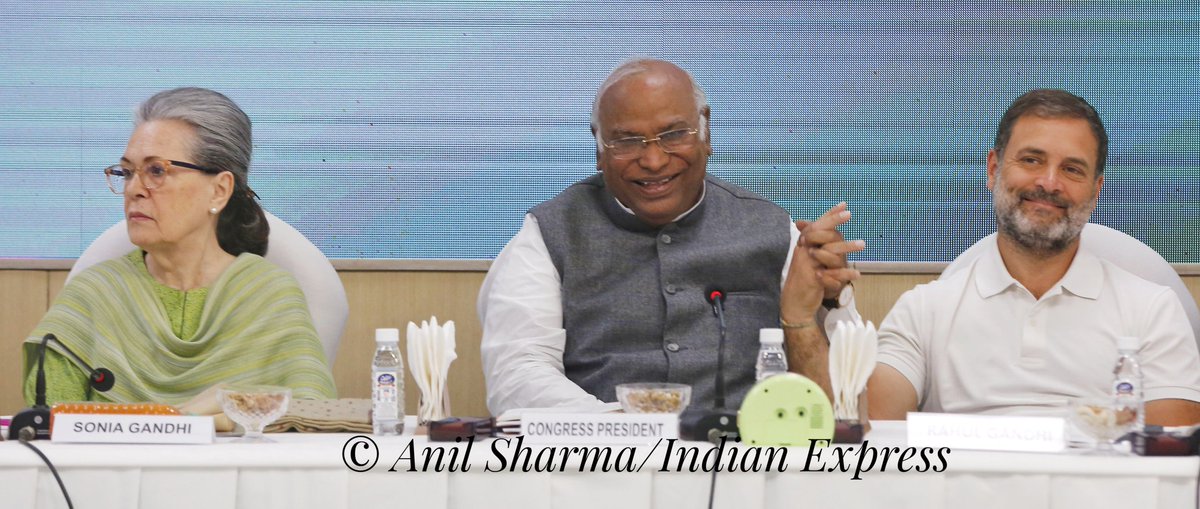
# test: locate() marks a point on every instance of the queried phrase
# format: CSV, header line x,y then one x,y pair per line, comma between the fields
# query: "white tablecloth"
x,y
308,471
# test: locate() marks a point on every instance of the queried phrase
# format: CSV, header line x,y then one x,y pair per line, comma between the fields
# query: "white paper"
x,y
431,351
611,428
986,432
852,352
132,429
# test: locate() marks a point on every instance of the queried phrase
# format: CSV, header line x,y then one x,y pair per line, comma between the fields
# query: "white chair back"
x,y
1119,249
287,248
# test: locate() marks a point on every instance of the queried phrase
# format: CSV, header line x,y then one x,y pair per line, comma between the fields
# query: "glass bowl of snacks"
x,y
254,407
1105,420
654,398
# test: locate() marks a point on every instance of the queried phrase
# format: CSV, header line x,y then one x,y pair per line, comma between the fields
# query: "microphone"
x,y
716,297
37,419
717,424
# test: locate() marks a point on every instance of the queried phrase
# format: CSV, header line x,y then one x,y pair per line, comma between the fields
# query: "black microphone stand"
x,y
37,418
717,298
718,424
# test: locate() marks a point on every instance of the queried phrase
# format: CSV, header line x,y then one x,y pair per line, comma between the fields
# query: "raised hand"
x,y
828,249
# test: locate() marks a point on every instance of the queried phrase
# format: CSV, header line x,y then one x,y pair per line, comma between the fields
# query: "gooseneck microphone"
x,y
716,297
100,379
717,424
37,419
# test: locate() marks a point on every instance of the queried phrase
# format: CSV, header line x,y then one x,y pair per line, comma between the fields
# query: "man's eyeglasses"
x,y
154,173
669,142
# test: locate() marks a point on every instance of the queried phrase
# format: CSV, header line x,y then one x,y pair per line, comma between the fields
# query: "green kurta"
x,y
166,345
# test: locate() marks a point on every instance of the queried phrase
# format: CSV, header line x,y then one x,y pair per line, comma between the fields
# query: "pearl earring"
x,y
213,211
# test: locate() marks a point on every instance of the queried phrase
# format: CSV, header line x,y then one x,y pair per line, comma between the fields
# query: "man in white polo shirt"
x,y
1034,321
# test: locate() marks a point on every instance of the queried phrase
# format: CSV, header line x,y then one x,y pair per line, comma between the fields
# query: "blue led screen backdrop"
x,y
426,130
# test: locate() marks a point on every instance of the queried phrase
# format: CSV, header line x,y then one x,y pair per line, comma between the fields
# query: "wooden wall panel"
x,y
874,294
23,295
378,299
57,278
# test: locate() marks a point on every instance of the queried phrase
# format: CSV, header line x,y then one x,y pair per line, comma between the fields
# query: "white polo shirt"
x,y
979,342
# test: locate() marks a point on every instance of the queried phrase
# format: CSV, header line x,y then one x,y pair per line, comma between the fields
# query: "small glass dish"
x,y
1104,419
654,398
254,407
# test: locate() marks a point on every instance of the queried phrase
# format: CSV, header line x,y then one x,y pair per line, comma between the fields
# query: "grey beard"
x,y
1040,241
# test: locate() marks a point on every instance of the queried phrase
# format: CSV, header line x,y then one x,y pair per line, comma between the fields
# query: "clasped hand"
x,y
819,268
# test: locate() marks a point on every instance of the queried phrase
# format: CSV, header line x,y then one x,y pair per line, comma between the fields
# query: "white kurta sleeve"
x,y
520,309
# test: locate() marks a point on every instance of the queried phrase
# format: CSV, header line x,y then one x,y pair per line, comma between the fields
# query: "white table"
x,y
303,471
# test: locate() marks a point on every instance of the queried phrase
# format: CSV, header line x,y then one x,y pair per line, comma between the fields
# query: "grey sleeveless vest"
x,y
633,297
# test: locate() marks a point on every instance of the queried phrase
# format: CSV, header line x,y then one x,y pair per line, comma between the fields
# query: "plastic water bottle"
x,y
1127,377
771,359
387,384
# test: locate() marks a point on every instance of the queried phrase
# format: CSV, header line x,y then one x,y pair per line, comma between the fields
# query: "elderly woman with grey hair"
x,y
195,305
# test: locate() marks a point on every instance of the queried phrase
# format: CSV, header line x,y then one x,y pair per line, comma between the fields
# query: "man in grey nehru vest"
x,y
605,283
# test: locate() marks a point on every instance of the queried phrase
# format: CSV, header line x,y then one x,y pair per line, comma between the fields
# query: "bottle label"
x,y
1123,387
384,396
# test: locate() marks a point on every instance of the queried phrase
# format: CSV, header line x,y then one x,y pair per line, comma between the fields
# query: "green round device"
x,y
785,410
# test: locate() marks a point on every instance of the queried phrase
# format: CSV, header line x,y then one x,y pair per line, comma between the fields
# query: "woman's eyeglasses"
x,y
153,174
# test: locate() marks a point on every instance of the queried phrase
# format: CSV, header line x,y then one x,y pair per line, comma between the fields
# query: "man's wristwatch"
x,y
842,300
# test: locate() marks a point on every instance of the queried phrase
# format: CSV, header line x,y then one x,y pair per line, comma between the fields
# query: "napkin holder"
x,y
852,431
429,412
430,353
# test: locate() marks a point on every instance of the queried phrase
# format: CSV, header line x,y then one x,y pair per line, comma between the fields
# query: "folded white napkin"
x,y
852,351
430,352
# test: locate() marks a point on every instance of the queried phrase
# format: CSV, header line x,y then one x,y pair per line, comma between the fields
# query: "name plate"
x,y
604,429
132,429
986,432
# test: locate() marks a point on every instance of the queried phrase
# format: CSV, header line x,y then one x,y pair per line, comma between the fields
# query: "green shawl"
x,y
255,328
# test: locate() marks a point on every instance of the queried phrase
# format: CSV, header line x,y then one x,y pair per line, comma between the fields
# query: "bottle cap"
x,y
387,335
770,336
1128,343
